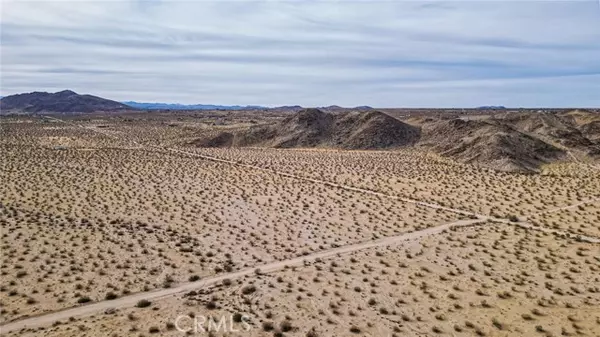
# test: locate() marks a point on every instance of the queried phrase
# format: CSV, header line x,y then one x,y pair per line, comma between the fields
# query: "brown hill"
x,y
591,130
563,130
513,145
580,116
488,144
315,128
65,101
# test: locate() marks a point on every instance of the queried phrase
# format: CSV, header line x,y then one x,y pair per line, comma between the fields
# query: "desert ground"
x,y
100,209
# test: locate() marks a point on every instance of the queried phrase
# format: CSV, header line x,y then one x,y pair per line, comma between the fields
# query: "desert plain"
x,y
126,225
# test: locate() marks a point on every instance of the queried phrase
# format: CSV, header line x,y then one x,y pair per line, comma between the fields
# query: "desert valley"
x,y
297,222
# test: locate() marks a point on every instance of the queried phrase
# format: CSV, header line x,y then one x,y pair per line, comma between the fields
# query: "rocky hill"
x,y
65,101
315,128
591,130
489,144
513,143
564,130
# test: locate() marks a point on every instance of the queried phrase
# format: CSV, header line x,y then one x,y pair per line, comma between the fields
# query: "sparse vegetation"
x,y
99,232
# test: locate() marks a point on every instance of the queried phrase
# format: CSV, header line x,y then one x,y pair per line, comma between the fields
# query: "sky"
x,y
310,53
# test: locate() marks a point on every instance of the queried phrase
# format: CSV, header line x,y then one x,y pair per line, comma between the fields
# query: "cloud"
x,y
313,53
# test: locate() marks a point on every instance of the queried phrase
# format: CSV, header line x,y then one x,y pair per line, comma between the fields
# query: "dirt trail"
x,y
583,238
323,182
589,201
131,300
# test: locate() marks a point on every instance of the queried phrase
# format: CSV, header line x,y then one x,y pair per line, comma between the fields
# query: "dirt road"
x,y
131,300
322,182
585,202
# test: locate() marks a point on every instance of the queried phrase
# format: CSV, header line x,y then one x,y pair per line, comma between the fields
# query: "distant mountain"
x,y
65,101
290,107
175,106
337,108
492,107
287,108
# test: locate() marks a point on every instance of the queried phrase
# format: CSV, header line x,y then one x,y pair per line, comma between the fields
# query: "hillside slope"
x,y
591,130
489,144
561,130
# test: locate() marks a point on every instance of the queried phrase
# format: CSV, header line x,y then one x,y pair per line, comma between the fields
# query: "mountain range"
x,y
68,101
177,106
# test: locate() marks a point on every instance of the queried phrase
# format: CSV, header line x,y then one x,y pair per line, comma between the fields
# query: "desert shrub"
x,y
527,317
498,324
110,296
286,326
84,299
249,289
268,326
354,329
312,333
143,304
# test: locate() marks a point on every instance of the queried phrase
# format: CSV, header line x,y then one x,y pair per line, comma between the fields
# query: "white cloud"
x,y
312,53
